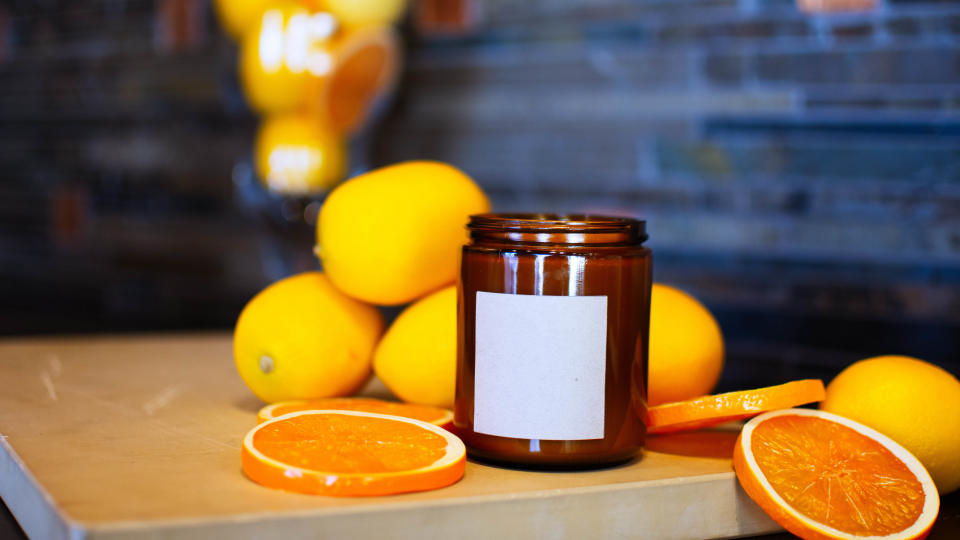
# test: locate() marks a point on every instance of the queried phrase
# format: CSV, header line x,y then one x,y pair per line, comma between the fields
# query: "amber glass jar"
x,y
553,318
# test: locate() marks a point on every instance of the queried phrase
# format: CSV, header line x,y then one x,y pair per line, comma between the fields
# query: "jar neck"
x,y
564,229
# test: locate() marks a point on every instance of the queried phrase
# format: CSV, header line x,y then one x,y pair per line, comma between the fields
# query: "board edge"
x,y
33,508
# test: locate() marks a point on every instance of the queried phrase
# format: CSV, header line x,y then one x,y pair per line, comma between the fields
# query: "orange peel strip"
x,y
716,409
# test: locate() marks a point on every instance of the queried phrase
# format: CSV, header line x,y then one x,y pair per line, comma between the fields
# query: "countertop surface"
x,y
100,398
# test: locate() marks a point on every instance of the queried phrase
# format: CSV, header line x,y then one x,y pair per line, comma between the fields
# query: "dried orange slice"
x,y
365,68
717,409
351,453
424,413
822,476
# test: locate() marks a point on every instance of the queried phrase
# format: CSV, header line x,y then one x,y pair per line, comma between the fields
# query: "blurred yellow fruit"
x,y
294,154
417,358
282,53
911,401
686,347
301,338
364,12
366,62
394,234
238,16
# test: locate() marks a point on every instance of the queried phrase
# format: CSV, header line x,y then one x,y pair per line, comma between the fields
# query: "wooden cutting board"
x,y
139,437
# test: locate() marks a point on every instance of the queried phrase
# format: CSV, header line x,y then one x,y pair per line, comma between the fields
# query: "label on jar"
x,y
540,366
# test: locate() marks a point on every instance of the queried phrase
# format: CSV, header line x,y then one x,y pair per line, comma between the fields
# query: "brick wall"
x,y
800,173
120,126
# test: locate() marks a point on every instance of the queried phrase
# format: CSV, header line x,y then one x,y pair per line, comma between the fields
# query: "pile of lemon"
x,y
386,238
314,70
320,334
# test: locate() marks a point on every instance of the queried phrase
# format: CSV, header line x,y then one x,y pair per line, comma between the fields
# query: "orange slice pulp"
x,y
822,476
424,413
717,409
351,453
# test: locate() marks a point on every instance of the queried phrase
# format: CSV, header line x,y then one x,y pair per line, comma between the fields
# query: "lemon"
x,y
394,234
301,338
286,51
911,401
294,154
366,12
417,358
238,16
686,347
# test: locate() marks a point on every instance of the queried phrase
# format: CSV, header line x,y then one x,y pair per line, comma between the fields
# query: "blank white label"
x,y
540,366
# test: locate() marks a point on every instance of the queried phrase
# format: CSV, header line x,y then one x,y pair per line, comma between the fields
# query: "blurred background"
x,y
799,168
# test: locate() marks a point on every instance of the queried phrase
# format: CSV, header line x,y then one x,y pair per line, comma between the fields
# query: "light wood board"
x,y
139,437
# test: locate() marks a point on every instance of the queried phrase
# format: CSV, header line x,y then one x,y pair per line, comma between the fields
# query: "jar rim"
x,y
547,221
544,227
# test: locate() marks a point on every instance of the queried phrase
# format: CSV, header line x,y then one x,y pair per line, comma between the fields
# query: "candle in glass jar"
x,y
553,320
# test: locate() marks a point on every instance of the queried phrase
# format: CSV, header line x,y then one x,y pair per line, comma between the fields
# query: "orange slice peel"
x,y
425,413
716,409
822,476
351,453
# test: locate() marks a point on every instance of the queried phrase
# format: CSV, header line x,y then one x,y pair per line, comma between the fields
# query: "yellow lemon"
x,y
288,48
911,401
294,154
364,12
417,358
301,338
394,234
238,16
686,347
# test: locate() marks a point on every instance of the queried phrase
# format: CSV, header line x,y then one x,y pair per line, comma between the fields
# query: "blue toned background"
x,y
799,173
